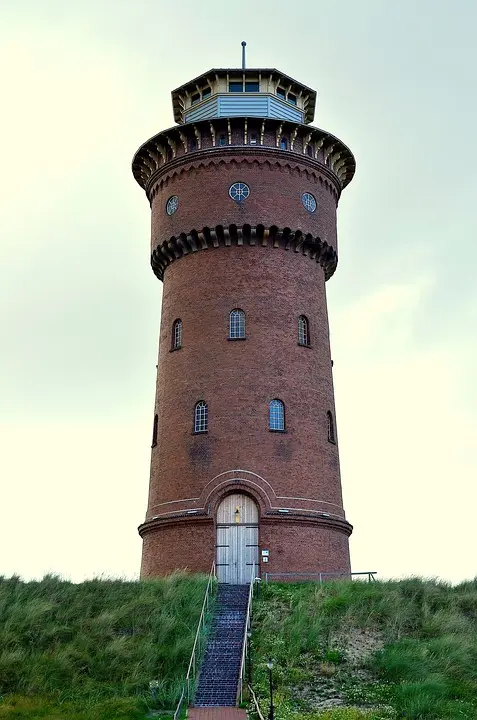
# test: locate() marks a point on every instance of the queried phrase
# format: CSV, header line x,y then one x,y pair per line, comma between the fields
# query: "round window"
x,y
309,202
172,204
239,191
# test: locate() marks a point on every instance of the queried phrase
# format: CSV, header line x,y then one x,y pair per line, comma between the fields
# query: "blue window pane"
x,y
237,325
252,87
201,417
177,335
239,191
303,332
235,87
309,202
277,415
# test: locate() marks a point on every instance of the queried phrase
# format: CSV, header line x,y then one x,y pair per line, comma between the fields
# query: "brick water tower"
x,y
245,467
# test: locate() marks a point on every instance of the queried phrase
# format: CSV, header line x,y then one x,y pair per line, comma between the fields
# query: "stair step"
x,y
219,674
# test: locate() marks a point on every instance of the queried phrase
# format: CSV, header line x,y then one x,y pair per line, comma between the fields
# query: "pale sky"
x,y
82,86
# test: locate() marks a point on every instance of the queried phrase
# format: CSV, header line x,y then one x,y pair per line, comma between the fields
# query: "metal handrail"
x,y
321,576
255,702
191,670
245,644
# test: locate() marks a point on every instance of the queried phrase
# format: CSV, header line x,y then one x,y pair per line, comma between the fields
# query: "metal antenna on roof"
x,y
243,54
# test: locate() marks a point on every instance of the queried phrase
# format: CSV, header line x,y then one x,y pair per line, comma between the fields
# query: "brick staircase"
x,y
219,673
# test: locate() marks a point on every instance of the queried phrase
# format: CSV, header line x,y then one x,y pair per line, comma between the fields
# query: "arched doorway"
x,y
237,539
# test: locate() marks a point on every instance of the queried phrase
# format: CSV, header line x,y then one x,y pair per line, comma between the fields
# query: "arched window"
x,y
237,325
177,334
331,427
154,431
283,143
277,415
303,331
201,417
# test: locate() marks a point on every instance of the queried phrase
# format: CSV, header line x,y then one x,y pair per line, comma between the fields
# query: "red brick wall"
x,y
239,378
165,550
294,547
298,468
303,547
275,196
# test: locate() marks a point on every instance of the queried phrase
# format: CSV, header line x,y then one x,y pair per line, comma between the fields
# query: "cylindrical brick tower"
x,y
245,467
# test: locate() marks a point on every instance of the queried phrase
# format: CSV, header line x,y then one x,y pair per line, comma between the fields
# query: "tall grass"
x,y
95,646
427,667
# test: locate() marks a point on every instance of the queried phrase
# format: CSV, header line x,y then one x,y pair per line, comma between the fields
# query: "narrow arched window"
x,y
331,427
277,415
176,334
201,417
283,144
154,431
237,325
303,331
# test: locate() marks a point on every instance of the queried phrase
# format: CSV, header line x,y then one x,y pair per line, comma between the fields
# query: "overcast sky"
x,y
82,86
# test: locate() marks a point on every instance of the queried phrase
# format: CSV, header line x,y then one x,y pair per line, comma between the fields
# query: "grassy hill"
x,y
352,650
88,651
342,651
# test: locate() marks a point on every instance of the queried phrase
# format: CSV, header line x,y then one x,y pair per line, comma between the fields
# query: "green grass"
x,y
342,651
420,663
88,651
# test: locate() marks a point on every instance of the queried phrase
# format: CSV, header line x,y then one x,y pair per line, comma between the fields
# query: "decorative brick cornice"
x,y
174,519
272,158
176,247
308,145
303,518
274,518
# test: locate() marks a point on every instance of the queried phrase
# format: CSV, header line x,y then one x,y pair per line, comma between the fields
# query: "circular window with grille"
x,y
172,204
239,191
309,202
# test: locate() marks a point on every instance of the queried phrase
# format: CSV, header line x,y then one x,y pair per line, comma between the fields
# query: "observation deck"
x,y
251,92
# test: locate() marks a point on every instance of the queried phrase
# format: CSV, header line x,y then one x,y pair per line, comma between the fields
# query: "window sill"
x,y
200,432
233,339
153,445
175,349
333,442
303,345
277,431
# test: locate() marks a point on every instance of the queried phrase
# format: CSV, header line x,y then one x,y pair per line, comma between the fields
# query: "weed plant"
x,y
90,650
426,668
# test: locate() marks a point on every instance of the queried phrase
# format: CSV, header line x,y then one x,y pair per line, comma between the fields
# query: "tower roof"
x,y
266,92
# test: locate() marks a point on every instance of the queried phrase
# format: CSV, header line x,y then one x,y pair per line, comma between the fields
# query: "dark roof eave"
x,y
241,70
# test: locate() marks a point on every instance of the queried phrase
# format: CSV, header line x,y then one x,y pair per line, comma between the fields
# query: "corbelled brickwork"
x,y
270,257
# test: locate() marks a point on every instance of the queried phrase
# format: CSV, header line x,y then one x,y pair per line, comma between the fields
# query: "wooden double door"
x,y
237,539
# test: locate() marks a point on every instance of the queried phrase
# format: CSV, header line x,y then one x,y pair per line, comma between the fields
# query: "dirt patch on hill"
x,y
325,691
357,645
